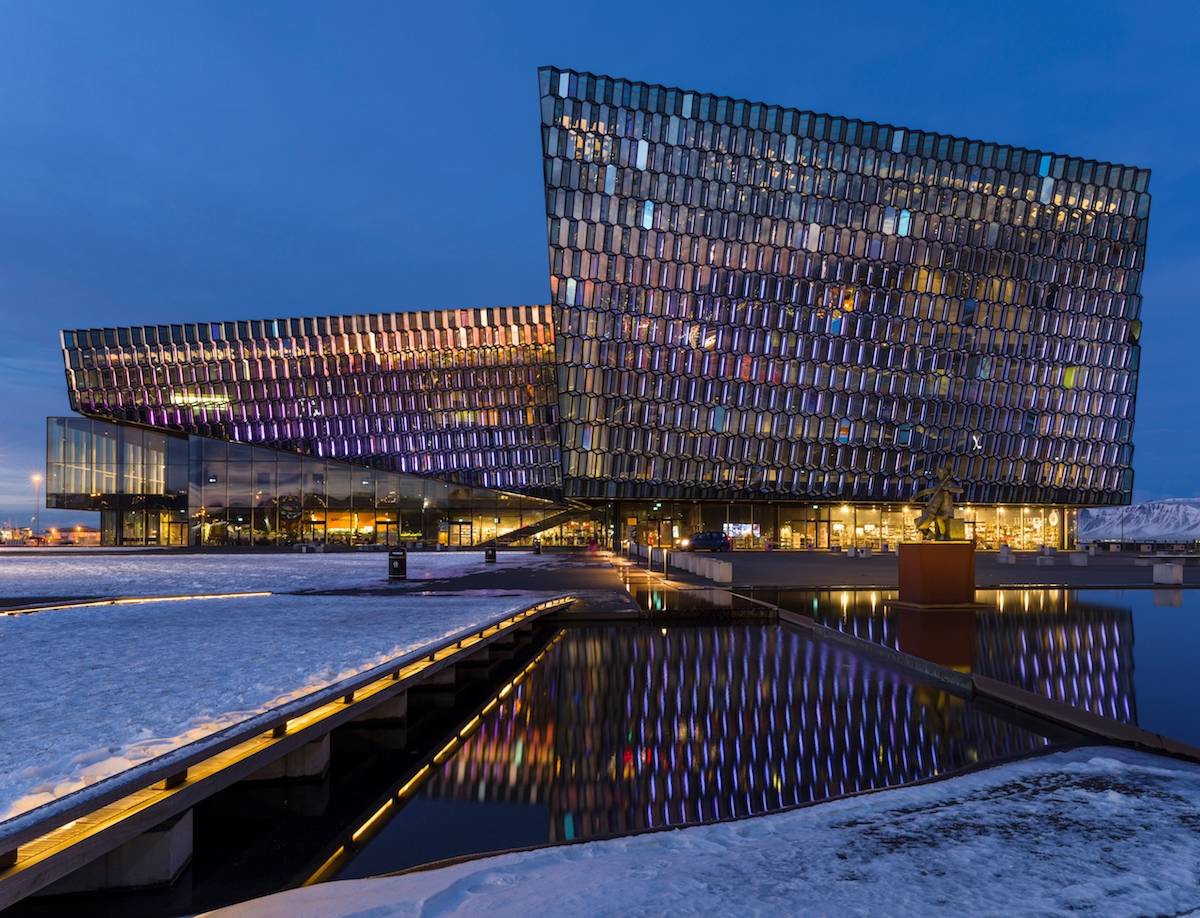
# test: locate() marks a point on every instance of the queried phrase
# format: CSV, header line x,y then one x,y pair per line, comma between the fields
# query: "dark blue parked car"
x,y
708,541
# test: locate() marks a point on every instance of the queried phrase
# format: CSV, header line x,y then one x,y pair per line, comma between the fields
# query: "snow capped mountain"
x,y
1173,520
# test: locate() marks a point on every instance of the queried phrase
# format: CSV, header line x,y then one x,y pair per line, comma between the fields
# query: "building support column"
x,y
389,712
438,690
309,762
154,858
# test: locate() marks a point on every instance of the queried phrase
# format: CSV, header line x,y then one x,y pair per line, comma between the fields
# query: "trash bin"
x,y
537,546
489,555
397,564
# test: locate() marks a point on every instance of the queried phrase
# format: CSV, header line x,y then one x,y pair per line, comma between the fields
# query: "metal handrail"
x,y
39,821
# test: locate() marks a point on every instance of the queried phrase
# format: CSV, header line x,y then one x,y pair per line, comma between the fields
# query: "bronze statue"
x,y
934,521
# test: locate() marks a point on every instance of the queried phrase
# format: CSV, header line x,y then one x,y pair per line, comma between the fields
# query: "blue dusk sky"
x,y
183,161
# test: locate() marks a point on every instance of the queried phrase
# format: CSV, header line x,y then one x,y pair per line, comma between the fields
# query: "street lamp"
x,y
37,482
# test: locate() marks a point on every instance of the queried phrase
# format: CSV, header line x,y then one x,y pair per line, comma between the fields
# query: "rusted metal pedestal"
x,y
937,573
935,611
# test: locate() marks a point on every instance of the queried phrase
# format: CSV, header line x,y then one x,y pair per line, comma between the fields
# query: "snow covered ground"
x,y
69,575
1175,519
86,693
1092,831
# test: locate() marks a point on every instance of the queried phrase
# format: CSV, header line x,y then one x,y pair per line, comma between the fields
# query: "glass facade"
x,y
791,525
154,488
783,322
458,394
754,301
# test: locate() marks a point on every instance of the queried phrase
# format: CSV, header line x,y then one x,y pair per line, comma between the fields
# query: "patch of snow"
x,y
1101,831
87,693
1173,520
22,549
66,575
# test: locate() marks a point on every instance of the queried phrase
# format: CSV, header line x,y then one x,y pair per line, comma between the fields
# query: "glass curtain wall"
x,y
245,495
824,527
154,488
461,394
755,302
137,478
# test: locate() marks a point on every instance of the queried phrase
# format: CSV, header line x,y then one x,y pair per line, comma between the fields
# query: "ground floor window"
x,y
575,534
750,526
144,527
822,527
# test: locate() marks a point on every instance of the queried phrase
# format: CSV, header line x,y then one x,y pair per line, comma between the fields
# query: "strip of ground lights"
x,y
409,788
129,601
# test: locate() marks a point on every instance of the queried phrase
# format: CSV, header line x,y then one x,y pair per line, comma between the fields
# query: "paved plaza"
x,y
824,570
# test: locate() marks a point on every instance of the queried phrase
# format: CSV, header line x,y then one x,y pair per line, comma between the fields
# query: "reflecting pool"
x,y
623,729
1126,654
586,731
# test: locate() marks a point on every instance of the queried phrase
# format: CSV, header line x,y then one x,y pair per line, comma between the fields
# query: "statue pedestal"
x,y
941,634
937,573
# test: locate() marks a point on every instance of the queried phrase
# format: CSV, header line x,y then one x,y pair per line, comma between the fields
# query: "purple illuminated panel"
x,y
697,725
754,301
463,394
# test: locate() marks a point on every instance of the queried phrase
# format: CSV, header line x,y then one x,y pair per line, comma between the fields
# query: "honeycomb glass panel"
x,y
420,392
745,260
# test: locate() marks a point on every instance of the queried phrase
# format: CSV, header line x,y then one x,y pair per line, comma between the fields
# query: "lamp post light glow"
x,y
37,483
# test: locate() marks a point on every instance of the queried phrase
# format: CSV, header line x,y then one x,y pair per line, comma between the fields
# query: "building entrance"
x,y
816,534
462,533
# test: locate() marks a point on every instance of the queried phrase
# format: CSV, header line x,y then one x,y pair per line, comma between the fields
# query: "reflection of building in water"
x,y
1053,643
1047,641
618,731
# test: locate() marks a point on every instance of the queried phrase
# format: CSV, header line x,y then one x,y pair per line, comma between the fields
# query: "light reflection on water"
x,y
1125,654
657,600
621,729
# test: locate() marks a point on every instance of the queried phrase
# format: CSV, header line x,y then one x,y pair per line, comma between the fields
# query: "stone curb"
x,y
1066,715
945,678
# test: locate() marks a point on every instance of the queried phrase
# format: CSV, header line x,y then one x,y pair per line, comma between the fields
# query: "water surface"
x,y
1126,654
619,730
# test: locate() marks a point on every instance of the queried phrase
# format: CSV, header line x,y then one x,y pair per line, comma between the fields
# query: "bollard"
x,y
1168,573
397,564
489,556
